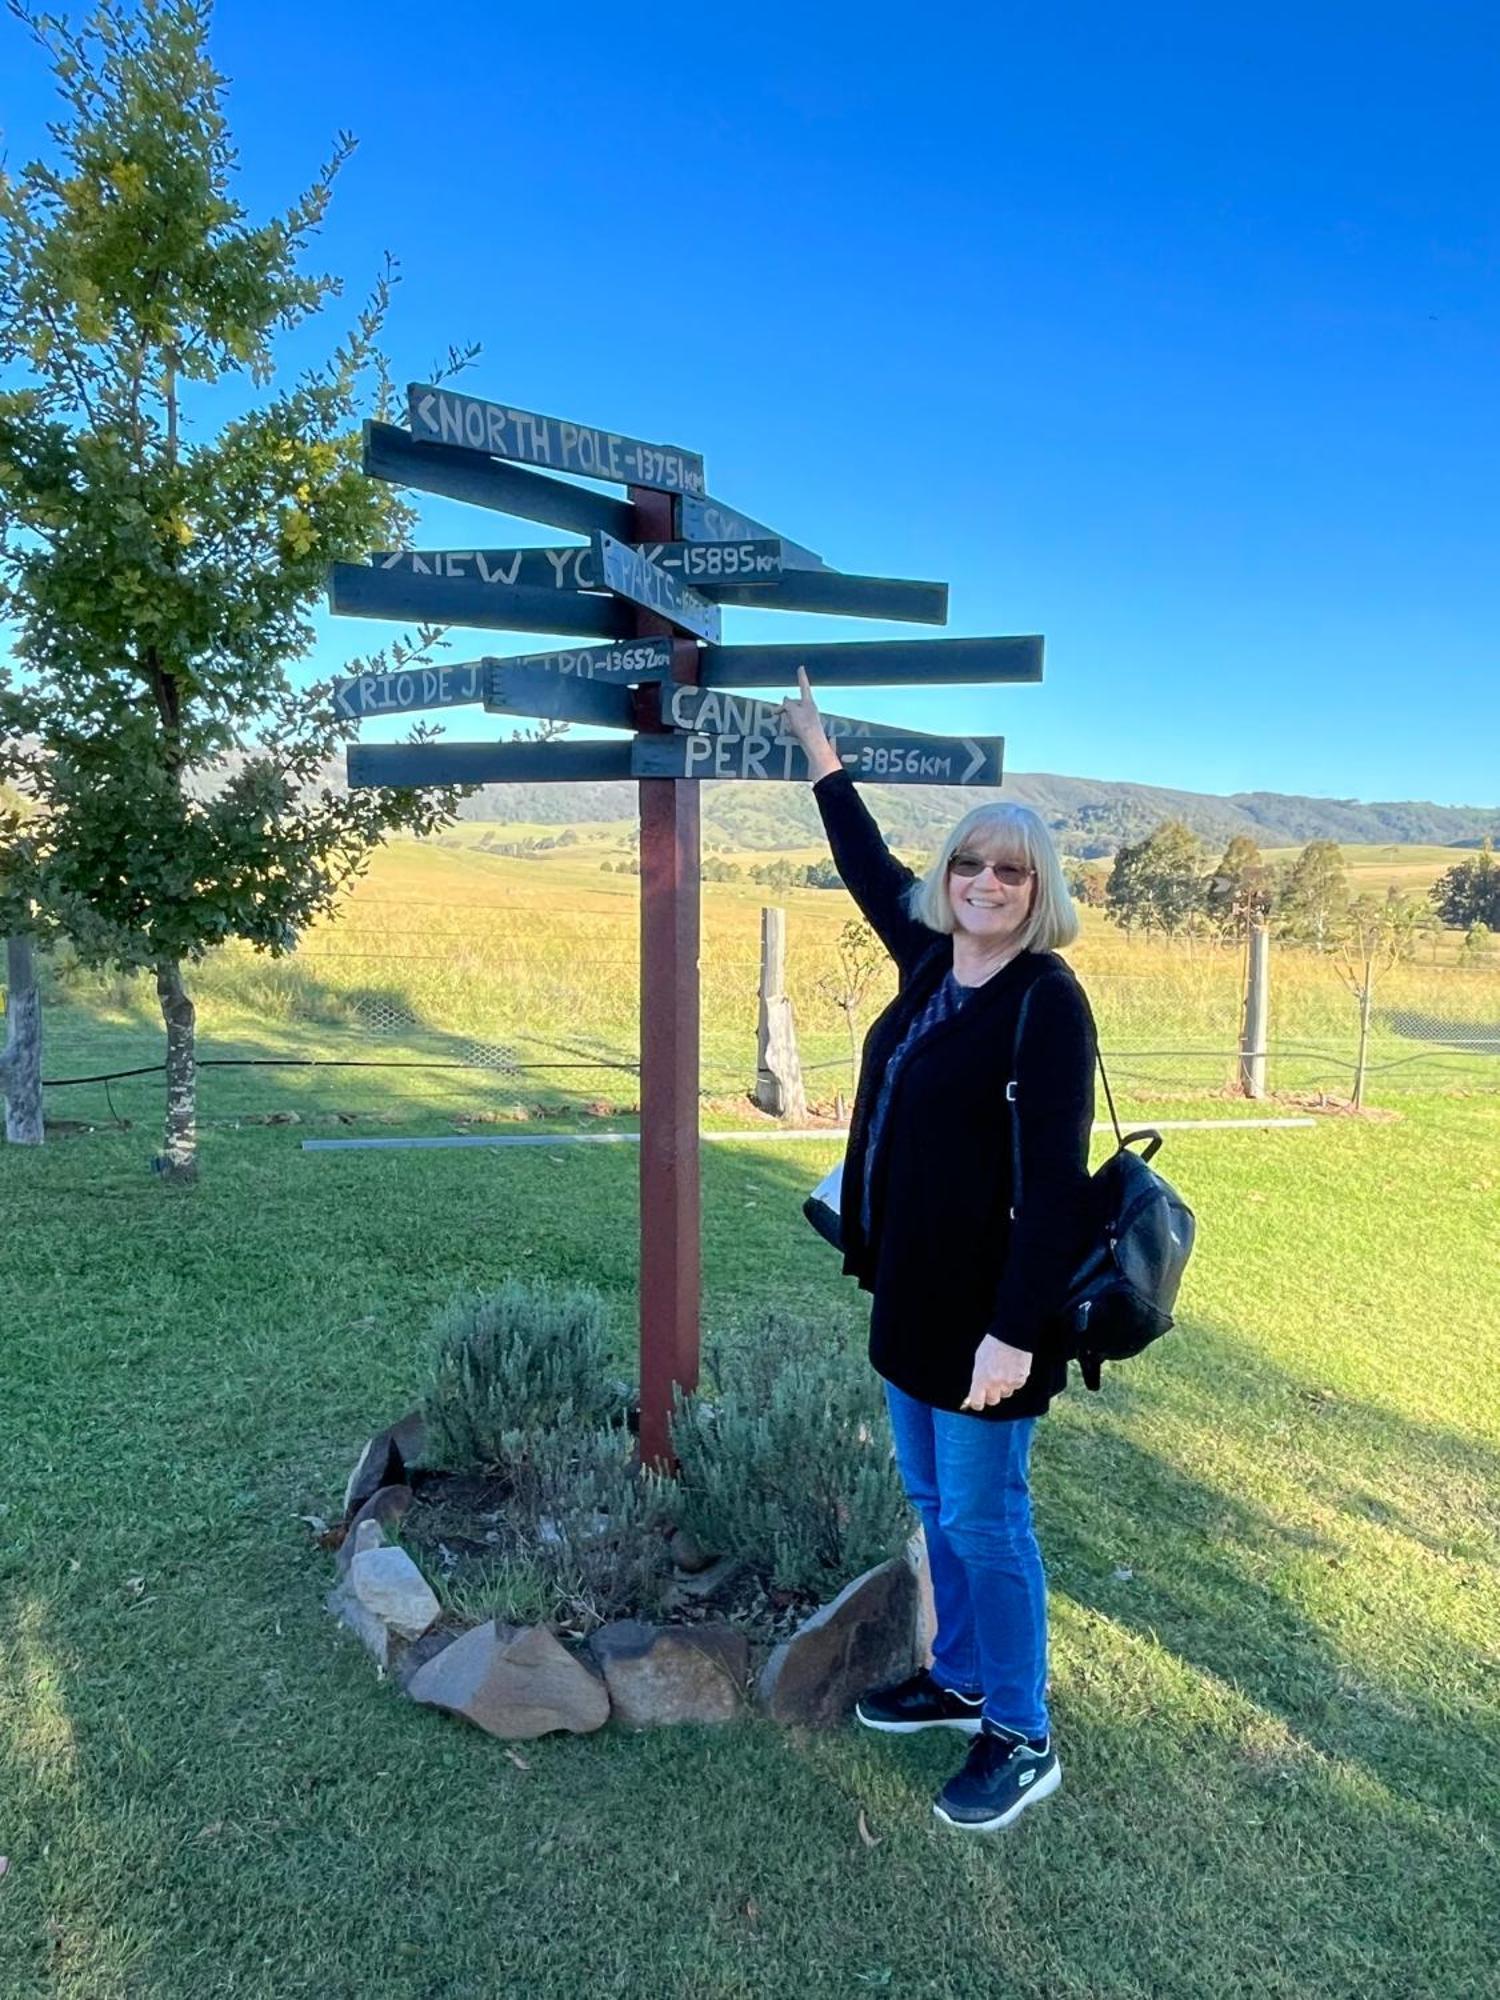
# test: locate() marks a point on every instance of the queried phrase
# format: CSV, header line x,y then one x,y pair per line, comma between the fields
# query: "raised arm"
x,y
876,880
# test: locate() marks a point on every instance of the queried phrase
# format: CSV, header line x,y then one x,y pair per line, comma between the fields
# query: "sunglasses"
x,y
971,864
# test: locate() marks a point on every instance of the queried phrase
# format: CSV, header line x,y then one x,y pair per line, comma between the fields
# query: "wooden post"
x,y
669,1174
21,1058
778,1067
1257,1012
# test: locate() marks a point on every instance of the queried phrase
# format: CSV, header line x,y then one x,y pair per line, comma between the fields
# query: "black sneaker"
x,y
919,1703
1002,1775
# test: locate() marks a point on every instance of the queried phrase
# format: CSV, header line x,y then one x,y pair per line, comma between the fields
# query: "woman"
x,y
964,1284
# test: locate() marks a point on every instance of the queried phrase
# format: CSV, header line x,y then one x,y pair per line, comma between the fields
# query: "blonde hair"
x,y
1010,833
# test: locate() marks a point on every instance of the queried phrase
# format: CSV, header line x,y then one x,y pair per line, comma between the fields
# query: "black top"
x,y
943,1005
941,1256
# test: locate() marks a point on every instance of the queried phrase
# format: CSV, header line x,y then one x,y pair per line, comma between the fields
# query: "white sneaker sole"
x,y
914,1728
1042,1789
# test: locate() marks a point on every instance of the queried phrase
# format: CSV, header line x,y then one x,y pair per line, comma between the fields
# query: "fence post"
x,y
778,1067
21,1056
1257,1012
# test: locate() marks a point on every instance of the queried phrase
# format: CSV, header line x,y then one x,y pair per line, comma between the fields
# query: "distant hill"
x,y
1088,816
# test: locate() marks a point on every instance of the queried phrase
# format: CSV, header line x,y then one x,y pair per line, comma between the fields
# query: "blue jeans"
x,y
966,1477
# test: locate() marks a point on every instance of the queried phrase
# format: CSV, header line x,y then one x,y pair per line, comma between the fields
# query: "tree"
x,y
1158,882
859,959
1469,893
21,1051
1373,935
159,571
1315,895
1240,890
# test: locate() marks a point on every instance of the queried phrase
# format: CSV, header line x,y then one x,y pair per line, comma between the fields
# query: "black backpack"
x,y
1140,1238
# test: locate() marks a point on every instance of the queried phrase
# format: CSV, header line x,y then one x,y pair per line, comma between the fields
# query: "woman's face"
x,y
990,892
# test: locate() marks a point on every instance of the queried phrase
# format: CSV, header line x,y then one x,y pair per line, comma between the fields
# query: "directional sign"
x,y
415,764
444,417
631,574
902,760
709,567
637,661
832,591
411,689
713,712
534,691
874,663
707,520
393,455
451,600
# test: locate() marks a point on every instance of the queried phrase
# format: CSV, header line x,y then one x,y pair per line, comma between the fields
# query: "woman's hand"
x,y
998,1372
806,725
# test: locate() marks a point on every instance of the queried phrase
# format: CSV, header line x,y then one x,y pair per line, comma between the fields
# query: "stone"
x,y
379,1464
688,1554
415,1656
698,1589
926,1607
680,1673
512,1683
384,1509
865,1636
409,1435
372,1632
387,1582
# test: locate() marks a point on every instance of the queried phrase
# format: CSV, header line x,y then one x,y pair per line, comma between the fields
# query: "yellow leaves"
x,y
298,535
183,533
128,180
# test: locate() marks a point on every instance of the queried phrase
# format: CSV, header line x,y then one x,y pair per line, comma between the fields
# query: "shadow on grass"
x,y
206,1772
1255,1597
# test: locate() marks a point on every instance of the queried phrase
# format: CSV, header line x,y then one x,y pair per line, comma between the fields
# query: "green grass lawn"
x,y
1273,1547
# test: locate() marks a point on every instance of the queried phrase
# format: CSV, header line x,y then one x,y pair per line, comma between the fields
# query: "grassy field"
x,y
1274,1548
448,953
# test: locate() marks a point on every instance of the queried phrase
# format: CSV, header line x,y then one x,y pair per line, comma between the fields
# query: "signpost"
x,y
646,588
404,693
444,417
533,691
704,565
635,662
902,760
631,573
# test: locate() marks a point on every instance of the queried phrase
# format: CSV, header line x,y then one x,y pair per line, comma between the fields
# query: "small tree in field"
x,y
1314,897
1157,883
158,559
1240,890
859,959
1374,935
1469,893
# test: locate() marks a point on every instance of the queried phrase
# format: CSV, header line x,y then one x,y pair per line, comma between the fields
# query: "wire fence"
x,y
494,1014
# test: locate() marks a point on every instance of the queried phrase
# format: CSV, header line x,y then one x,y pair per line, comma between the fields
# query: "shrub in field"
x,y
514,1364
789,1468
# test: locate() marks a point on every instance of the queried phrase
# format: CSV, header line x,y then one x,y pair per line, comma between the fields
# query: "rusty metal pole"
x,y
669,1188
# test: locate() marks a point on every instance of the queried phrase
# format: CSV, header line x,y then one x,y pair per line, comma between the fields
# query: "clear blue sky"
x,y
1170,332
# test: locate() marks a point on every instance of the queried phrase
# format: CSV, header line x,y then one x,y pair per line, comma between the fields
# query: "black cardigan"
x,y
943,1259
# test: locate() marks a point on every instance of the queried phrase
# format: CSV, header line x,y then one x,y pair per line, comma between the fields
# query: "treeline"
x,y
1167,885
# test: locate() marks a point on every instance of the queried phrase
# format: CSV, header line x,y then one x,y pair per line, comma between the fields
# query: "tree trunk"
x,y
21,1062
853,1049
1366,994
178,1160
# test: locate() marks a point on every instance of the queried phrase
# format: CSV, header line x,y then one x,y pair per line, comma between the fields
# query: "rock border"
x,y
517,1682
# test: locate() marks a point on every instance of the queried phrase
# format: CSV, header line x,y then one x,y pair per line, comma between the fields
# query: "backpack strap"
x,y
1012,1099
